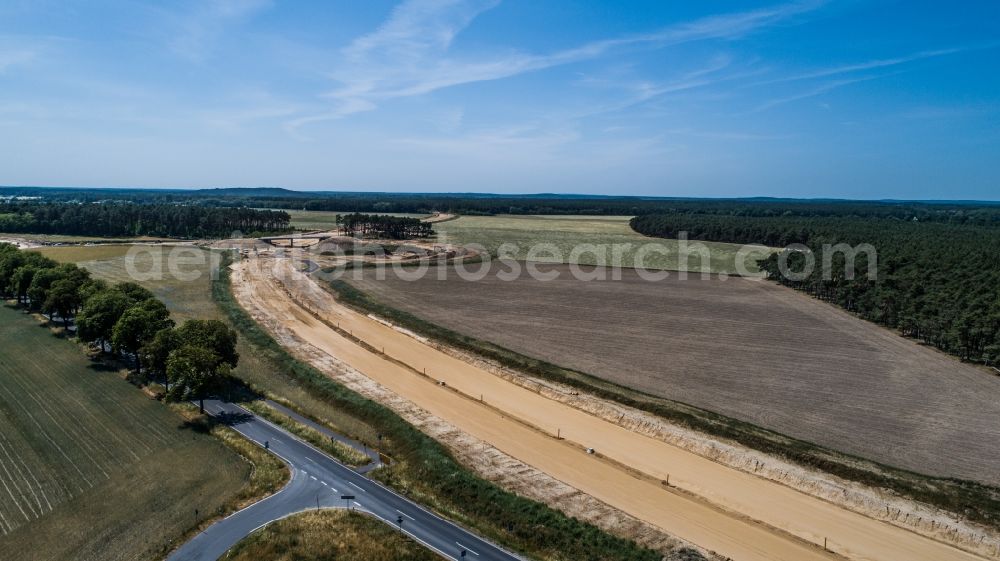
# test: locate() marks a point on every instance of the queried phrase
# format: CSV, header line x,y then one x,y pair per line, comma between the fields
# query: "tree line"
x,y
490,204
124,320
936,282
128,220
383,226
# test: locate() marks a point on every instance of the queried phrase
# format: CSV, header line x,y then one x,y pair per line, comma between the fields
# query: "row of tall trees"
x,y
936,282
126,320
126,220
42,285
383,226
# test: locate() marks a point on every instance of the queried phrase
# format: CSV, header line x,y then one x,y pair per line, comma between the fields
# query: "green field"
x,y
326,220
91,468
565,233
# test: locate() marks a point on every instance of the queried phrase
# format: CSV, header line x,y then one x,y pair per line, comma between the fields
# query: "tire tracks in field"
x,y
6,445
45,434
20,472
83,443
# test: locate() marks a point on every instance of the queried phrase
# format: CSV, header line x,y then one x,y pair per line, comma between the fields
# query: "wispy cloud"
x,y
14,57
408,54
868,65
813,92
727,135
854,68
199,28
417,27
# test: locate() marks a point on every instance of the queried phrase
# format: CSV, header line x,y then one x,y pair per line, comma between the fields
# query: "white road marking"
x,y
469,549
357,504
324,483
313,477
404,514
356,485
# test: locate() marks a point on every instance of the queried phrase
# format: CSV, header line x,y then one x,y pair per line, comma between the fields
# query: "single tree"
x,y
137,327
100,312
196,372
90,288
213,335
63,299
20,282
10,259
156,352
41,282
135,292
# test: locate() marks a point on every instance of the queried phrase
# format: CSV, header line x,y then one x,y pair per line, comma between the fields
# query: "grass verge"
x,y
974,501
325,535
425,470
342,452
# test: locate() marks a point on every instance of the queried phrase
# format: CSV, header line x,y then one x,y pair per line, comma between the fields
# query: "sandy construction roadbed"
x,y
714,506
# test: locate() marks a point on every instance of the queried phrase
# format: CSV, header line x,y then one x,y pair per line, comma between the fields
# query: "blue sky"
x,y
849,98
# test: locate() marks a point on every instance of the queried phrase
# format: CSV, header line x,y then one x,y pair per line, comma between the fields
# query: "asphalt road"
x,y
319,481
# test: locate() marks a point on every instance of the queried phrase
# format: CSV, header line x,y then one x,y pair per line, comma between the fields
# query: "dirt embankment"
x,y
706,502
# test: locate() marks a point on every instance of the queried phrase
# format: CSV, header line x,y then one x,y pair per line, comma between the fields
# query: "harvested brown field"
x,y
743,348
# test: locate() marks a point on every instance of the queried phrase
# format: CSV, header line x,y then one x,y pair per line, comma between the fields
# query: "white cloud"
x,y
408,54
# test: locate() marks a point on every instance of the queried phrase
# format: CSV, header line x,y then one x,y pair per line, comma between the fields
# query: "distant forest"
x,y
127,219
490,204
938,282
377,225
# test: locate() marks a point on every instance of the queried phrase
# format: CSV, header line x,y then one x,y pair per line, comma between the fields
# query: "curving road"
x,y
319,481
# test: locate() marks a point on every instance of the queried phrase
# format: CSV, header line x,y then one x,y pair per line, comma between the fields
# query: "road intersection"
x,y
318,481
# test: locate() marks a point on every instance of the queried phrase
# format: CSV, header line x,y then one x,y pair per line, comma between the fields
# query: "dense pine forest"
x,y
126,220
382,226
938,282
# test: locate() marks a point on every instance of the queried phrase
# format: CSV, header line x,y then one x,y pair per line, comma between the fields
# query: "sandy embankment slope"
x,y
735,496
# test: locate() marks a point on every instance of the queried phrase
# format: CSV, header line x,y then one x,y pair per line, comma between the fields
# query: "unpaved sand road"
x,y
503,419
439,217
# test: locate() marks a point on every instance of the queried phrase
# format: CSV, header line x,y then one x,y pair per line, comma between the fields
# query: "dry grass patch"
x,y
329,535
